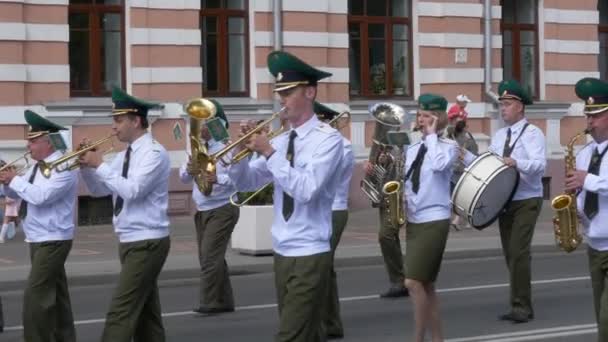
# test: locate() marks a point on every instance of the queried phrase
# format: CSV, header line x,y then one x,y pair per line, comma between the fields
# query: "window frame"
x,y
516,29
222,15
603,28
95,11
364,21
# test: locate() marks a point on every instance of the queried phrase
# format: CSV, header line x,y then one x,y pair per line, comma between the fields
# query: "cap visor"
x,y
595,110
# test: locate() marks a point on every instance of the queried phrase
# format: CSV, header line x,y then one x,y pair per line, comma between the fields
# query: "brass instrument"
x,y
234,198
245,153
200,109
389,117
58,165
14,163
565,222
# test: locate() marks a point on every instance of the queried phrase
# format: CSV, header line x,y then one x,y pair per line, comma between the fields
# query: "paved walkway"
x,y
94,253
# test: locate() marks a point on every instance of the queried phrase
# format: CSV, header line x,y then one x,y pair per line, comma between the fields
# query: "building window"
x,y
96,46
224,52
379,52
519,43
603,37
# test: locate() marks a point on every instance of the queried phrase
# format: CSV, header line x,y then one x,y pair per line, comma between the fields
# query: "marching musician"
x,y
49,230
138,180
591,179
214,220
332,320
428,211
522,146
302,164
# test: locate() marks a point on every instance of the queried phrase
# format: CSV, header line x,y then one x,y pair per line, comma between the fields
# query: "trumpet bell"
x,y
200,108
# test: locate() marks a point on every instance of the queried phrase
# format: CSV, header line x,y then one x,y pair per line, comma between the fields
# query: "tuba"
x,y
389,117
200,109
565,222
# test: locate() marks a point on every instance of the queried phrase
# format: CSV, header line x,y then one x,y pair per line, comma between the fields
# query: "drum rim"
x,y
509,199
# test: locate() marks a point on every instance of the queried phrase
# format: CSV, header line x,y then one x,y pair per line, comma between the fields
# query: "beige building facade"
x,y
61,58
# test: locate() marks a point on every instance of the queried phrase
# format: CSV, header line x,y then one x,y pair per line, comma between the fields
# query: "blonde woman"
x,y
428,211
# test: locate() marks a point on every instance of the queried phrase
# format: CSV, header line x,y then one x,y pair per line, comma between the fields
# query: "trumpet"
x,y
14,163
247,152
334,122
234,197
46,168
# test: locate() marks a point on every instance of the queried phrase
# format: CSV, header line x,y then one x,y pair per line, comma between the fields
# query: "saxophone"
x,y
565,221
392,192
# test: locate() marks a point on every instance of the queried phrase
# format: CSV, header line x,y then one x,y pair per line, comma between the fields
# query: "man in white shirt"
x,y
522,146
138,179
301,163
49,230
590,181
214,220
333,323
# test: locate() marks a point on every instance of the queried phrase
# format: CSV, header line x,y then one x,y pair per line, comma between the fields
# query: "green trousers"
x,y
301,284
333,322
47,310
516,230
390,245
598,268
135,313
213,230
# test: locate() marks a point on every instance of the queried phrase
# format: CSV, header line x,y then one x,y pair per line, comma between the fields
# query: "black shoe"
x,y
335,336
203,310
395,291
516,317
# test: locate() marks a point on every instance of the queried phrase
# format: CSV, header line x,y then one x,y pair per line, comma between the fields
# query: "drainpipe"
x,y
487,35
278,38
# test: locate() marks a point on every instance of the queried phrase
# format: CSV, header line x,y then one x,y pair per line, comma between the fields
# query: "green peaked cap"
x,y
432,102
595,94
219,111
323,112
511,89
124,103
39,125
290,71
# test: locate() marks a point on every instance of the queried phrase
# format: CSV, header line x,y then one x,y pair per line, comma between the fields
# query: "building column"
x,y
357,134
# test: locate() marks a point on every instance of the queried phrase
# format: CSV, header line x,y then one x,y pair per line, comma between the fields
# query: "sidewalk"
x,y
94,256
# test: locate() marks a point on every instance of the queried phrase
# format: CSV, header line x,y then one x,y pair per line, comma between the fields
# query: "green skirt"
x,y
424,246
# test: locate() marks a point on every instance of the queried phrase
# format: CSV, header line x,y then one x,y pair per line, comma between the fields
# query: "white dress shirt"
x,y
345,173
312,183
596,230
221,190
529,153
432,202
50,203
145,191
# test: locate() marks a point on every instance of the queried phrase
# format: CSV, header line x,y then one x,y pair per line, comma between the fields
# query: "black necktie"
x,y
591,200
288,200
23,206
506,150
125,171
417,165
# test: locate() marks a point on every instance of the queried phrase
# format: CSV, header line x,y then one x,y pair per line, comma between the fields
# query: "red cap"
x,y
455,111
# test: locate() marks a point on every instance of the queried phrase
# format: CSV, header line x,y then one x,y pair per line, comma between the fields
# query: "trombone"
x,y
46,168
234,197
14,163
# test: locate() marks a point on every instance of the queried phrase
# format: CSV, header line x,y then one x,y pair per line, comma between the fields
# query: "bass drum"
x,y
486,186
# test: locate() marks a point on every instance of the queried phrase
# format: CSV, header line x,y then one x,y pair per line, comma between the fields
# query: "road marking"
x,y
360,298
532,335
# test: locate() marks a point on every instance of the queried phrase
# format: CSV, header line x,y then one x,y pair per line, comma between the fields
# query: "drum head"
x,y
497,194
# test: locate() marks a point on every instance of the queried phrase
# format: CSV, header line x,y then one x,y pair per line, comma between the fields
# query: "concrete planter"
x,y
251,235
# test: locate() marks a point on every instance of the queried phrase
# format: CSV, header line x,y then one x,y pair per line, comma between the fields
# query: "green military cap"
x,y
39,125
595,94
323,112
511,89
219,112
432,102
124,103
290,71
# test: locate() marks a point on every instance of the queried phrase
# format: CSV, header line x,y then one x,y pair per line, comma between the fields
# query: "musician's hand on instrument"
x,y
190,168
432,128
261,144
211,177
91,159
510,162
575,180
368,167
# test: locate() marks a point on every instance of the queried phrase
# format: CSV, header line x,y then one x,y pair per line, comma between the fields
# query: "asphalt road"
x,y
473,292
